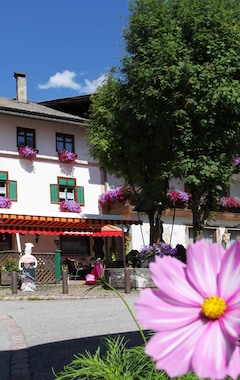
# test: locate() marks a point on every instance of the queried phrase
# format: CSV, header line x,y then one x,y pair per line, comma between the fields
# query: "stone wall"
x,y
139,278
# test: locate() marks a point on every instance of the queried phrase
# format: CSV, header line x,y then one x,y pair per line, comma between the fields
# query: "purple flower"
x,y
67,156
178,196
70,205
237,160
27,152
157,249
119,194
230,202
195,312
5,202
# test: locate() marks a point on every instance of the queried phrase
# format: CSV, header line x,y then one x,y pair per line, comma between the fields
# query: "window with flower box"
x,y
7,188
26,137
66,189
64,142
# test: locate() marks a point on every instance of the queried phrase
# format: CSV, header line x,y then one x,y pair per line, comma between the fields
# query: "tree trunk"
x,y
156,227
200,215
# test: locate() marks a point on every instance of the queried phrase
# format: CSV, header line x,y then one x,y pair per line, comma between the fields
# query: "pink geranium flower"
x,y
195,312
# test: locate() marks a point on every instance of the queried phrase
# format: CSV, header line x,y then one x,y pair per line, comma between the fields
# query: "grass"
x,y
118,362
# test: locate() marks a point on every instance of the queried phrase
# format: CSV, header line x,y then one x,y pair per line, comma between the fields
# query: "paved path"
x,y
46,329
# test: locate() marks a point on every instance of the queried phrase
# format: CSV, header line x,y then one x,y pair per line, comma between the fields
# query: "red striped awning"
x,y
51,225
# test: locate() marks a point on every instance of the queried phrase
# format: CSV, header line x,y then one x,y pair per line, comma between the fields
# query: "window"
x,y
5,242
26,137
209,234
64,142
66,189
234,234
7,188
75,245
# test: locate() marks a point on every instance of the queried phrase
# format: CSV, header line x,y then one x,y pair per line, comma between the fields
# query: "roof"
x,y
75,105
37,111
52,225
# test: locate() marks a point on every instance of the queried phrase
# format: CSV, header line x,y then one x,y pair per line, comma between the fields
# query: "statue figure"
x,y
27,266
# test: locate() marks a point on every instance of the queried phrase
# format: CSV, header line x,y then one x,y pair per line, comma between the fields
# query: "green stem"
x,y
130,311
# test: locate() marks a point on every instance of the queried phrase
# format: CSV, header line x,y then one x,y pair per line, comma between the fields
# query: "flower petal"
x,y
233,367
169,275
172,350
214,350
157,314
229,276
204,262
230,324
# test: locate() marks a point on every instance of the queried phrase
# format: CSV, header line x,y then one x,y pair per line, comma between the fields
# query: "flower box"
x,y
70,206
5,202
67,157
118,208
179,199
27,152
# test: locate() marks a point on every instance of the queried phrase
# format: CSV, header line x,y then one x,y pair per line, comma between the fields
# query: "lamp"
x,y
57,241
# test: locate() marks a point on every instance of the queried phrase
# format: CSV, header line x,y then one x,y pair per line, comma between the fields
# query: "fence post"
x,y
65,281
57,266
127,280
14,281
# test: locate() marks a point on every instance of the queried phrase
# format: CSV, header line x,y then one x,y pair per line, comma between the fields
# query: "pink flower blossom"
x,y
96,273
67,156
27,152
195,312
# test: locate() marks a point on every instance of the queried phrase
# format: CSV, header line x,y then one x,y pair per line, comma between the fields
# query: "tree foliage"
x,y
173,107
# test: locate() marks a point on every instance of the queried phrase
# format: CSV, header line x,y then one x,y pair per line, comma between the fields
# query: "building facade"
x,y
49,184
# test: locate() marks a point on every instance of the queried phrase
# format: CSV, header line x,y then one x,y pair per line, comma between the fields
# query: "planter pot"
x,y
118,208
139,278
6,278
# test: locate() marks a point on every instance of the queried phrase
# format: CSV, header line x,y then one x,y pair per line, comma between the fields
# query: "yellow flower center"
x,y
213,307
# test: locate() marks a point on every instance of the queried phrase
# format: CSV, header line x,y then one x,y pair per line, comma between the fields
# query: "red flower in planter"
x,y
67,157
27,152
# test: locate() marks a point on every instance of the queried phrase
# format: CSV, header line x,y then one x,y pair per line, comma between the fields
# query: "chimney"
x,y
21,88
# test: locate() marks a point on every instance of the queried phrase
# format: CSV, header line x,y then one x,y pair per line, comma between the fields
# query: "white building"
x,y
37,187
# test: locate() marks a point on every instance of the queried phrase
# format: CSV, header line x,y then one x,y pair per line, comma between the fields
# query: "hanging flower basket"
x,y
67,157
27,152
147,253
5,202
123,194
70,206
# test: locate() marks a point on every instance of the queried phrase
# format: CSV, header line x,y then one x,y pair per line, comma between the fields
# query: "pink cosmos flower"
x,y
96,273
195,312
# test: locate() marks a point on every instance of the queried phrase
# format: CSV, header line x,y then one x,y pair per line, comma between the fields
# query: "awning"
x,y
108,230
91,225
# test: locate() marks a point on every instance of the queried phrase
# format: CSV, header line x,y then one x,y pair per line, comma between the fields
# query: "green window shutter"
x,y
54,193
71,182
62,181
80,195
12,188
3,176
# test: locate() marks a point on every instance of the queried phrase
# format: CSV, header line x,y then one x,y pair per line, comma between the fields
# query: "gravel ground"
x,y
76,289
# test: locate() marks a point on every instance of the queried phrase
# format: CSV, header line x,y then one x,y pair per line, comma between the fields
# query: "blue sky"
x,y
65,47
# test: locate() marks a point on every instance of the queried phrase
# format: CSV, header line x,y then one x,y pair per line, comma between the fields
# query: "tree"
x,y
173,106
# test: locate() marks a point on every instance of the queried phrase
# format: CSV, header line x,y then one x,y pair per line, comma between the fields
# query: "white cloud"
x,y
67,79
92,86
59,80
